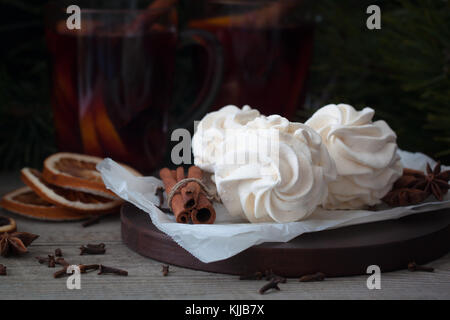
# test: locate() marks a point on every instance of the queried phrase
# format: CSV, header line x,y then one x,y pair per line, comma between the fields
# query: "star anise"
x,y
414,186
434,182
405,197
15,243
409,179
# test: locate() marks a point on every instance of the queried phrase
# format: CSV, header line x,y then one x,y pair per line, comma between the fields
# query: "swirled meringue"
x,y
285,182
207,143
365,154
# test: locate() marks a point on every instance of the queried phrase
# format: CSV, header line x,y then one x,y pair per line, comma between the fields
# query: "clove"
x,y
3,270
273,284
84,268
252,276
319,276
92,249
105,270
58,252
412,266
100,245
51,261
165,270
61,273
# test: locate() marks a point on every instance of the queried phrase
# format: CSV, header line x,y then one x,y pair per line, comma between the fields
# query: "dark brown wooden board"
x,y
345,251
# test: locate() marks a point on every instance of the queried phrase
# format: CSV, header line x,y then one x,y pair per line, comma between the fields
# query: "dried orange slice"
x,y
7,224
77,172
26,202
71,199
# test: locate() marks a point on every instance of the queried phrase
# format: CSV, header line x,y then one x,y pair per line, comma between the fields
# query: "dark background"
x,y
402,71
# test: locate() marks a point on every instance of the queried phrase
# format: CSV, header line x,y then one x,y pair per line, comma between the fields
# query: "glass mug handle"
x,y
212,79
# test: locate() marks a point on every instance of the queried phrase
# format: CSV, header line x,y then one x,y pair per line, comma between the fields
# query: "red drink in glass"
x,y
112,86
267,49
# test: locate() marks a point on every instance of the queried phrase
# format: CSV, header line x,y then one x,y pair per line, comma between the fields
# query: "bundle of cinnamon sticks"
x,y
189,203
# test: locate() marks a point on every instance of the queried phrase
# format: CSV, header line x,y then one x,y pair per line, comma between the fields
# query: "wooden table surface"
x,y
27,279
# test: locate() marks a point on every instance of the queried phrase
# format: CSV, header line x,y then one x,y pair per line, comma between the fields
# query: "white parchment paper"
x,y
230,235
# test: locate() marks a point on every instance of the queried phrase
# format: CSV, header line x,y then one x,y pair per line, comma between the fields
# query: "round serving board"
x,y
346,251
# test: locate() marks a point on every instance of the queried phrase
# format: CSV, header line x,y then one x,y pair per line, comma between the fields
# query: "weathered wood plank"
x,y
27,279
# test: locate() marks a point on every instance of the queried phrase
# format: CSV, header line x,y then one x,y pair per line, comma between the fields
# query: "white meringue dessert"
x,y
282,186
210,133
365,153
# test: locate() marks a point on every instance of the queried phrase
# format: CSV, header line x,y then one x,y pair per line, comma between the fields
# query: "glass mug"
x,y
112,80
267,50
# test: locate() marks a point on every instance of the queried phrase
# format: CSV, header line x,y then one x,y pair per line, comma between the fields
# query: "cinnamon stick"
x,y
204,213
169,179
179,174
191,191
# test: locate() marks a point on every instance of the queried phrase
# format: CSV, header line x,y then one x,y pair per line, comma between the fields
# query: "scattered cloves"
x,y
58,252
273,284
51,261
319,276
3,270
165,270
252,276
85,249
412,266
105,269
